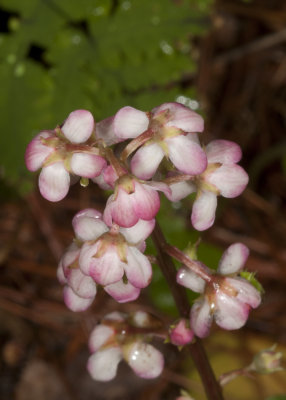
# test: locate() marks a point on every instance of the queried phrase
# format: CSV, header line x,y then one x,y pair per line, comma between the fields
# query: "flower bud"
x,y
180,333
267,361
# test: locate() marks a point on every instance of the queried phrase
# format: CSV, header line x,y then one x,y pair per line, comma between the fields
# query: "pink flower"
x,y
113,340
133,201
180,334
222,177
80,289
62,152
169,131
226,299
113,257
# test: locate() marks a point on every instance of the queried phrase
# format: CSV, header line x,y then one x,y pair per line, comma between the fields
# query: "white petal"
x,y
223,151
146,361
233,259
105,131
201,318
115,316
146,160
181,117
99,336
60,275
230,312
78,126
37,152
139,231
75,302
231,180
54,182
187,156
69,257
138,268
130,122
88,224
102,365
180,190
189,279
203,213
87,165
246,292
81,284
122,292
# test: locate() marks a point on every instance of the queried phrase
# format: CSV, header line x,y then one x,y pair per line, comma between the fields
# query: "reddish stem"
x,y
197,351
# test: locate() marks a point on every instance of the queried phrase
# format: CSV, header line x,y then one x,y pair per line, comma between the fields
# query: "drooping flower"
x,y
133,201
118,337
222,177
64,151
227,298
80,289
112,256
167,131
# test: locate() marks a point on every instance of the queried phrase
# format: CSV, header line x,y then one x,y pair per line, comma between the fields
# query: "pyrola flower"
x,y
222,177
133,201
168,130
80,289
118,337
227,298
62,152
112,256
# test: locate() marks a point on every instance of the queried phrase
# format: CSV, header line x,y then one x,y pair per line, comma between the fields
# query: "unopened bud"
x,y
267,361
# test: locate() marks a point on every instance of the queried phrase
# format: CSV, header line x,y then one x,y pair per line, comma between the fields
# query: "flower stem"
x,y
197,351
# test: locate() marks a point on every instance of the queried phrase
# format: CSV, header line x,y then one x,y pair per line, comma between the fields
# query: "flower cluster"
x,y
110,256
226,297
121,336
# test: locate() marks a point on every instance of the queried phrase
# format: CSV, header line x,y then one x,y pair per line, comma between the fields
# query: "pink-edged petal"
x,y
87,165
204,208
187,156
139,232
159,186
189,279
60,275
103,364
230,179
233,259
130,122
122,292
180,190
99,336
146,201
36,152
146,361
78,126
81,284
104,270
146,160
54,182
201,318
223,151
69,257
181,117
138,268
105,131
88,224
74,302
246,293
230,313
120,210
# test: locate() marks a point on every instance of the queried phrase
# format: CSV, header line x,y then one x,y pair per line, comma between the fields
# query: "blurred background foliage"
x,y
61,55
